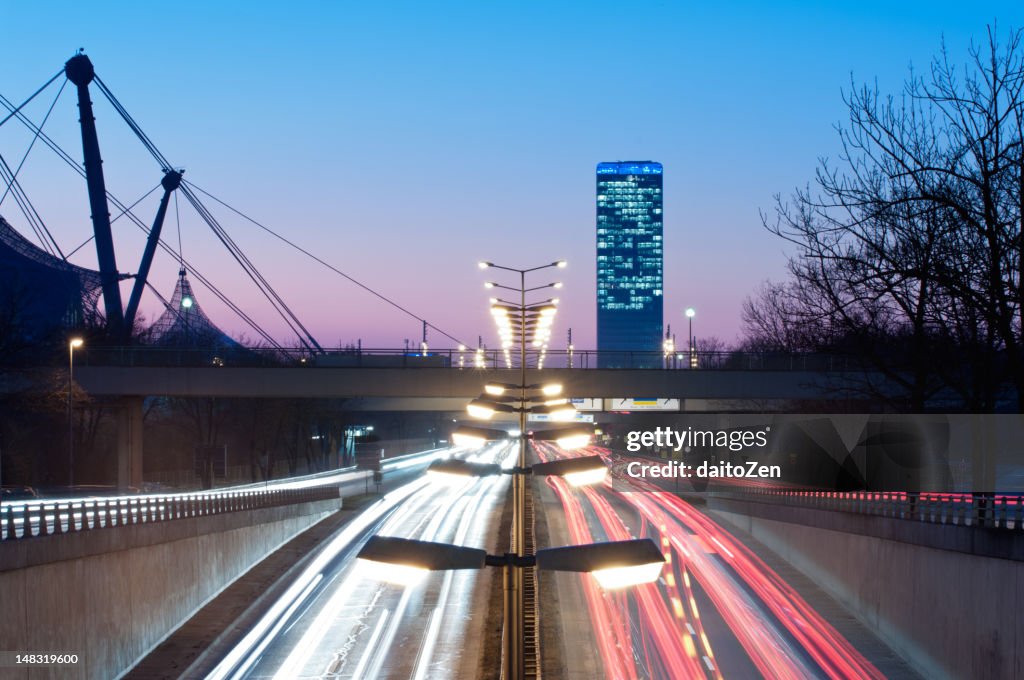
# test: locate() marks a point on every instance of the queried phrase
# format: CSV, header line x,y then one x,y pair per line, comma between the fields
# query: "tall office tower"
x,y
629,264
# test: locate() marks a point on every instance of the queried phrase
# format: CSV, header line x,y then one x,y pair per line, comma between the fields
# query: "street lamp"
x,y
580,471
514,321
690,313
475,437
73,344
406,561
617,564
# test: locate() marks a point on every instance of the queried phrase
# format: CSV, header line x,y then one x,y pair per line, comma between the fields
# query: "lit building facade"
x,y
630,257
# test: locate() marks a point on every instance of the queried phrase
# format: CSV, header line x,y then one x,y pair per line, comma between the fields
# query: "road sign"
x,y
641,404
545,418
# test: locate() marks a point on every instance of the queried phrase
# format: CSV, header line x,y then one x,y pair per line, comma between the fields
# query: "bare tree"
x,y
908,254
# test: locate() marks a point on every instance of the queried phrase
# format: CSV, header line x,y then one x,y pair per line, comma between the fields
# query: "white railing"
x,y
990,510
48,517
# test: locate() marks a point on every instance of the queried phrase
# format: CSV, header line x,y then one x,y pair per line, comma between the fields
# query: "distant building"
x,y
630,256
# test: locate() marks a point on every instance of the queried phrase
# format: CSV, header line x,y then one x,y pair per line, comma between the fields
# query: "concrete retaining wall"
x,y
949,613
111,595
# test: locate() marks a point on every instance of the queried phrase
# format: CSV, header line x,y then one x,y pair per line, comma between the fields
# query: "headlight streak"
x,y
487,487
442,516
672,644
732,579
656,619
767,649
250,647
610,628
400,522
300,655
440,523
372,643
275,627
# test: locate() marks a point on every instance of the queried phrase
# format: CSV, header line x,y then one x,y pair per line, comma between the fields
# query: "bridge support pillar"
x,y
129,442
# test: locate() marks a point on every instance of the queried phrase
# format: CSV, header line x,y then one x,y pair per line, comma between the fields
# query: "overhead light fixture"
x,y
566,437
405,575
618,564
581,471
467,435
497,389
480,410
573,441
616,578
406,561
486,408
463,468
561,412
586,477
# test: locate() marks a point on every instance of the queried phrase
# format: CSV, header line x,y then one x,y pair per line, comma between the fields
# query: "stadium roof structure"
x,y
185,324
40,291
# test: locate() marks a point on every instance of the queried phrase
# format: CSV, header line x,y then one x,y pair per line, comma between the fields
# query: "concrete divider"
x,y
111,595
938,597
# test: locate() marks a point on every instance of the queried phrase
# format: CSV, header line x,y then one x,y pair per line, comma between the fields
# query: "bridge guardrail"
x,y
983,510
45,518
143,356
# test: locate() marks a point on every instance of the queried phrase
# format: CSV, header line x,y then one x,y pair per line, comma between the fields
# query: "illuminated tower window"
x,y
629,263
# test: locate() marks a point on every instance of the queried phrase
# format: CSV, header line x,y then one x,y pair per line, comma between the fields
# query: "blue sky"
x,y
405,141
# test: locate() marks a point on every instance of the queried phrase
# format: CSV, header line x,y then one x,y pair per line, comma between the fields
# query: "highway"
x,y
716,612
338,621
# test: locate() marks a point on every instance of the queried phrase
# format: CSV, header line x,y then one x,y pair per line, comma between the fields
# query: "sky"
x,y
402,142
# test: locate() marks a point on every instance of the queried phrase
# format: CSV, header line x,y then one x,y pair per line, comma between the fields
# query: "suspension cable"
x,y
275,300
322,262
7,175
49,240
252,272
123,112
14,111
119,216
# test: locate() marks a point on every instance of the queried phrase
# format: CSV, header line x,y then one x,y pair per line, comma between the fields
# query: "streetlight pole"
x,y
72,345
690,313
513,578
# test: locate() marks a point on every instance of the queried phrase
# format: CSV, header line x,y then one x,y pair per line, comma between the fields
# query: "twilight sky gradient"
x,y
404,141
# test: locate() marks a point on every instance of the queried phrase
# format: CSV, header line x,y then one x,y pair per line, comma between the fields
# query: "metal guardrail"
x,y
45,518
992,511
142,356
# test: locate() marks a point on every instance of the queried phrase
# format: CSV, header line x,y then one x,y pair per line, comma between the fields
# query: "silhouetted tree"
x,y
908,253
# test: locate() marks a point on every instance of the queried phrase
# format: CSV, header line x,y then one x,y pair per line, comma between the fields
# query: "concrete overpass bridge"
x,y
432,381
396,380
